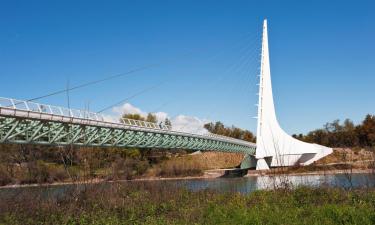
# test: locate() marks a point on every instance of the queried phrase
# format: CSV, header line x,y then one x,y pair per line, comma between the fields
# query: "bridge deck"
x,y
33,123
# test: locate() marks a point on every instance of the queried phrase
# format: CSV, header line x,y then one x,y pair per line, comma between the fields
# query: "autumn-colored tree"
x,y
151,118
234,132
347,134
134,116
367,131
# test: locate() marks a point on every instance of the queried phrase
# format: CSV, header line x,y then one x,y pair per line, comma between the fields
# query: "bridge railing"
x,y
145,124
225,137
48,109
30,106
9,106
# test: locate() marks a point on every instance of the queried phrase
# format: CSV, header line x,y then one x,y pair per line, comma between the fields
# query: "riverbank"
x,y
210,174
200,165
24,165
147,203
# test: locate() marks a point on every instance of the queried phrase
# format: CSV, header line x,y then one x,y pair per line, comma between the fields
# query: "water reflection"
x,y
241,185
249,184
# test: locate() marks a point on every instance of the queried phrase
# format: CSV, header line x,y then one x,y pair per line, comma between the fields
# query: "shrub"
x,y
179,168
5,178
128,168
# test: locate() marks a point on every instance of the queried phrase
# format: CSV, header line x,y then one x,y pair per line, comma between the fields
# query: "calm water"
x,y
242,185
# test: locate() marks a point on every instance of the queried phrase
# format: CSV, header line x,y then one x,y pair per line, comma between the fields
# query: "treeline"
x,y
215,128
234,132
346,134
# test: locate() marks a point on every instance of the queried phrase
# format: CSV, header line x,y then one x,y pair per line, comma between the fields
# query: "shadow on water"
x,y
231,173
239,184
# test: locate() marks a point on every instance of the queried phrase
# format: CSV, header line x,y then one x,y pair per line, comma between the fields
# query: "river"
x,y
242,184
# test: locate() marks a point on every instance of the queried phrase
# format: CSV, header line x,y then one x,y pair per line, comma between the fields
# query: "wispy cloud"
x,y
128,108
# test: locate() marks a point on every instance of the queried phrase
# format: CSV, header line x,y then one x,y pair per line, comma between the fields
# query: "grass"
x,y
158,204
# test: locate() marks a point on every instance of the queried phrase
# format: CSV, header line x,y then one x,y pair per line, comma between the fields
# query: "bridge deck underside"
x,y
20,130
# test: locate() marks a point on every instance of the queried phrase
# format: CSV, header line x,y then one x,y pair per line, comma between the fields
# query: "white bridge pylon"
x,y
275,148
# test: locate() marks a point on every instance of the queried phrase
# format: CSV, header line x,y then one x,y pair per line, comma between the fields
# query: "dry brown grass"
x,y
217,160
343,159
176,167
341,155
194,164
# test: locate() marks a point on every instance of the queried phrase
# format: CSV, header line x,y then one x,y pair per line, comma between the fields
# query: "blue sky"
x,y
322,56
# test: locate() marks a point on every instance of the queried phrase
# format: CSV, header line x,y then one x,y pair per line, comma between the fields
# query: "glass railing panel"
x,y
33,106
76,113
100,117
92,116
84,114
45,109
66,112
56,110
126,121
20,105
6,102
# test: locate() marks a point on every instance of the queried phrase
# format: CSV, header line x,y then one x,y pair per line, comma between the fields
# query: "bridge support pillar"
x,y
262,164
249,161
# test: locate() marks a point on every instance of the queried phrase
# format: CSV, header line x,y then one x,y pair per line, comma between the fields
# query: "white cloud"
x,y
161,116
189,124
183,123
110,118
128,108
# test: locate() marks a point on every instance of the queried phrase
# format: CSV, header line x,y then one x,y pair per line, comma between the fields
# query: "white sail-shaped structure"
x,y
275,147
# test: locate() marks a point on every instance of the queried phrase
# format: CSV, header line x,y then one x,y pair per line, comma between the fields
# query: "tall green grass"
x,y
146,204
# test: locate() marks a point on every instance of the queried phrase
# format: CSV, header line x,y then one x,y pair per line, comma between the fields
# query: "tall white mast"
x,y
274,146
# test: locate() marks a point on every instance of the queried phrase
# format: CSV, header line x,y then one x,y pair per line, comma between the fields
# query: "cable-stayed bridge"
x,y
27,122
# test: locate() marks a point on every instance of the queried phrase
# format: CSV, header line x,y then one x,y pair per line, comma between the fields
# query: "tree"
x,y
248,136
347,134
234,132
133,116
151,118
220,129
209,127
367,131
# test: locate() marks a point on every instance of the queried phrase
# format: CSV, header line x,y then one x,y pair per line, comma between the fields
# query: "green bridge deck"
x,y
23,122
